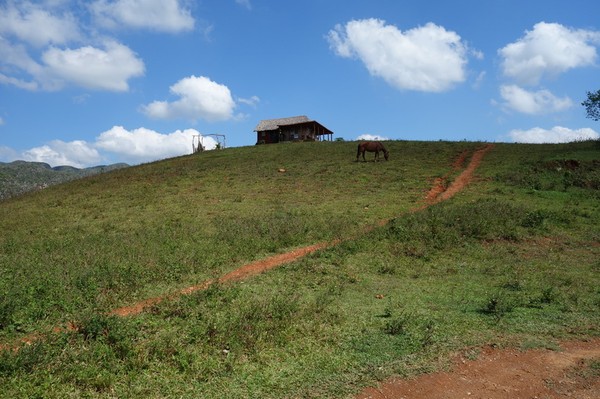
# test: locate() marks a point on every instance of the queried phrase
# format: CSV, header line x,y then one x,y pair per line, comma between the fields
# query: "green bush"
x,y
449,225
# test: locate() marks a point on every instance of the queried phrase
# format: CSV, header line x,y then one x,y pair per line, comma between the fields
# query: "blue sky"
x,y
85,83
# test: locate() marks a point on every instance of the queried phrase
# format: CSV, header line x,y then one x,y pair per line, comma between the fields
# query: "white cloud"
x,y
548,50
244,3
93,68
252,101
114,145
21,84
144,145
533,103
108,68
37,26
15,56
371,137
199,98
160,15
75,153
557,134
479,80
427,58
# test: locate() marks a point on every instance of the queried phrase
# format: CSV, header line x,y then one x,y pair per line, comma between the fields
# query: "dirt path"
x,y
439,192
506,374
248,270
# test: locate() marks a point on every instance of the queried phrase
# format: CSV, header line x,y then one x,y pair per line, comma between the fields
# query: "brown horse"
x,y
372,146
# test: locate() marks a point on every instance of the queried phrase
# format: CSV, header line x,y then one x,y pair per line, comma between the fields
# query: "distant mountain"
x,y
19,177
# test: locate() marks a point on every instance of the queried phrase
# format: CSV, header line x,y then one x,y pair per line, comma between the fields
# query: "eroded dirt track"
x,y
241,273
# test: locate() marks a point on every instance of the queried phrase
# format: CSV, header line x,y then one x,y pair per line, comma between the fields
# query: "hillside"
x,y
20,177
404,278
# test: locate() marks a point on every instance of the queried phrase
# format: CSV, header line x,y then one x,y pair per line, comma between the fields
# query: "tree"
x,y
592,105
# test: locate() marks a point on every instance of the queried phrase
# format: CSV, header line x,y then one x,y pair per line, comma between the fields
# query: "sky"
x,y
96,82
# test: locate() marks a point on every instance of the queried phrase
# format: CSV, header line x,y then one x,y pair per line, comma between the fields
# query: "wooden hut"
x,y
296,128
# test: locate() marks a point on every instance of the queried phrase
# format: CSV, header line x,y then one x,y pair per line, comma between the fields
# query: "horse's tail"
x,y
358,151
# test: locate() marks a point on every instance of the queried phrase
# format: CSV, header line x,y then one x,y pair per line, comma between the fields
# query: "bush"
x,y
448,225
498,305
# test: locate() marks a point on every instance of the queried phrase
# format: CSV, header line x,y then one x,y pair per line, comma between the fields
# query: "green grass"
x,y
504,262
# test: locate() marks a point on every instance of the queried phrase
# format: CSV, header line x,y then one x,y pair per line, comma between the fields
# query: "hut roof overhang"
x,y
275,124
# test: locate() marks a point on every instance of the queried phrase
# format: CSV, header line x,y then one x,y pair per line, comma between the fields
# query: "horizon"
x,y
123,81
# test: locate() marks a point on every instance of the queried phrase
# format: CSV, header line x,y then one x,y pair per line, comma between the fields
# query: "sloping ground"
x,y
434,196
495,373
439,192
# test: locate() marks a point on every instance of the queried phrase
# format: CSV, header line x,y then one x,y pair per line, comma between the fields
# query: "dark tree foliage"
x,y
592,105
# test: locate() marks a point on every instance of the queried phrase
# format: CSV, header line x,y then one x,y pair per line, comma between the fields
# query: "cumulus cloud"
x,y
36,25
533,102
428,58
41,41
548,50
371,137
199,98
109,68
160,15
557,134
16,58
144,145
75,153
114,145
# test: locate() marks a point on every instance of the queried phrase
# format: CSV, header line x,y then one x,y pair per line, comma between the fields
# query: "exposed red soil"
x,y
439,192
439,183
505,374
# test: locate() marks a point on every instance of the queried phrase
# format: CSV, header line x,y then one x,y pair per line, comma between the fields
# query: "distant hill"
x,y
20,177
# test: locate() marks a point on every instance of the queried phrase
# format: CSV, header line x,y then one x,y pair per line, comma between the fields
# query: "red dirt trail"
x,y
248,270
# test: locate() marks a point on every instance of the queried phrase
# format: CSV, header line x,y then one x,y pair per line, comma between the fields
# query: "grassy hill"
x,y
510,260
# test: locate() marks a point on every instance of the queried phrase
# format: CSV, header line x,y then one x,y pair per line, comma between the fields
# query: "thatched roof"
x,y
274,124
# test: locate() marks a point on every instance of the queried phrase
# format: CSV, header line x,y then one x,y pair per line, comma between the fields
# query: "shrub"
x,y
398,325
447,225
498,305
